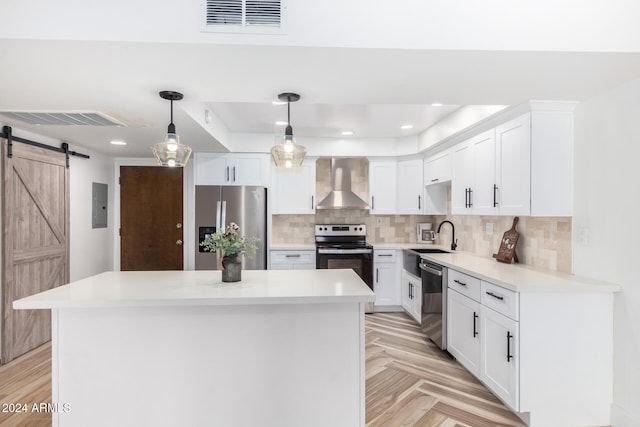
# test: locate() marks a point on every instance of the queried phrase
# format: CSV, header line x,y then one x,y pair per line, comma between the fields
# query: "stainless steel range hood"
x,y
341,196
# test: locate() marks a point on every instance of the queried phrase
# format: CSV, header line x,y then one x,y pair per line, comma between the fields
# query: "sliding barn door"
x,y
35,244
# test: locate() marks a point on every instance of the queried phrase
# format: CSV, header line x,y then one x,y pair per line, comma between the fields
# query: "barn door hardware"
x,y
64,148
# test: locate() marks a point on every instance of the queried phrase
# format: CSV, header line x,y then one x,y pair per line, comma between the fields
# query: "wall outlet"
x,y
488,229
379,221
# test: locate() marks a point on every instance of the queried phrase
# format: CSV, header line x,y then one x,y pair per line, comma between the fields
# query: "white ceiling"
x,y
369,91
330,120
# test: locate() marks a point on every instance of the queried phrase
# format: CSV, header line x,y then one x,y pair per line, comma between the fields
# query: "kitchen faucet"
x,y
454,242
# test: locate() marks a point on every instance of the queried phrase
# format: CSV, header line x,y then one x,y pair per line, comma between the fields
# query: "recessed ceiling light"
x,y
436,104
406,127
347,132
279,123
118,142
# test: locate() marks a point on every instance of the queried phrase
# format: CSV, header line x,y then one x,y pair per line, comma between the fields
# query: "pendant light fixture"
x,y
288,154
170,152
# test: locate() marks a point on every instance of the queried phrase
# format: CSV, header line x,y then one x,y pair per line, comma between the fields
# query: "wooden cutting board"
x,y
507,251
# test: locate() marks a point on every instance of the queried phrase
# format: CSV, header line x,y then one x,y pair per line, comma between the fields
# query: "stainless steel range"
x,y
345,246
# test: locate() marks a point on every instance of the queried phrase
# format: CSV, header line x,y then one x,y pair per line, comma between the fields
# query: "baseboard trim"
x,y
620,417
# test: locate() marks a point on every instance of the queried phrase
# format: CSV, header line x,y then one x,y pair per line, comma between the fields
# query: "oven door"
x,y
359,260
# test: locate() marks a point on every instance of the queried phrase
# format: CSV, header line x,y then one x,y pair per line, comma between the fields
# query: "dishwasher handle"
x,y
430,270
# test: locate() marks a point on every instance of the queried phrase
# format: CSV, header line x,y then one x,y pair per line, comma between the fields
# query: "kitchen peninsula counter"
x,y
171,348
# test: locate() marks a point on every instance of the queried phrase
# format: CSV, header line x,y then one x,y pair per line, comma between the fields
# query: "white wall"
x,y
538,25
606,230
90,249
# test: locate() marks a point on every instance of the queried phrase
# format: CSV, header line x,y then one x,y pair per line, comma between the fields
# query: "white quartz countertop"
x,y
519,278
292,247
192,288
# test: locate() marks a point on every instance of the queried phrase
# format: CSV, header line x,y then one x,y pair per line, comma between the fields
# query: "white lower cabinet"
x,y
481,336
463,325
292,260
547,355
387,268
499,367
412,295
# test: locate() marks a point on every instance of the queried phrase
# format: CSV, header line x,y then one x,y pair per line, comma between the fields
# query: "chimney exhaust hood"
x,y
341,196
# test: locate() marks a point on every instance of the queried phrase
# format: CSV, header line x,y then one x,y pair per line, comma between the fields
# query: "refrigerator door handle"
x,y
223,222
217,216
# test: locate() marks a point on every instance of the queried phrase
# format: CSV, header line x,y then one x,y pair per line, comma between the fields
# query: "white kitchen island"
x,y
181,348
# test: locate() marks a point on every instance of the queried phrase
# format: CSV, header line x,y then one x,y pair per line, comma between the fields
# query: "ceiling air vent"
x,y
244,16
91,118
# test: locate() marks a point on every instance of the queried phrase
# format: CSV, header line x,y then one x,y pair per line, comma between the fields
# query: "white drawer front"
x,y
384,255
293,257
465,284
501,300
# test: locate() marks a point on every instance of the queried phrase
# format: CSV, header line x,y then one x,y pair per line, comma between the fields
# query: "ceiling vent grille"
x,y
91,118
244,16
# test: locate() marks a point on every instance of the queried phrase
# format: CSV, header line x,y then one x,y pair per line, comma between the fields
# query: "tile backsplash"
x,y
545,242
380,228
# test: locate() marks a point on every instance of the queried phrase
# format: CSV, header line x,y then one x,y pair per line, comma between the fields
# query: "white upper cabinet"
x,y
512,193
437,168
521,167
474,172
295,189
552,163
410,187
383,187
481,198
231,169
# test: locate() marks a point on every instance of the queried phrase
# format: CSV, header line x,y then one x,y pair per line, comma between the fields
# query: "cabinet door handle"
x,y
475,328
311,202
466,197
227,173
234,174
419,202
494,295
372,205
377,276
509,355
435,180
410,290
459,282
470,201
495,201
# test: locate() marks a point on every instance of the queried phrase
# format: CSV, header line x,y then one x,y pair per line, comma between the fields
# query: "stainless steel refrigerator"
x,y
217,206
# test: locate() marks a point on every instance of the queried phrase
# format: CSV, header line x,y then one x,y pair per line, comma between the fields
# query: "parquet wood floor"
x,y
409,382
412,383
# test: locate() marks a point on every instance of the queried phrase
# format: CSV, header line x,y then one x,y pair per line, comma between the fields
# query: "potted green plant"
x,y
231,246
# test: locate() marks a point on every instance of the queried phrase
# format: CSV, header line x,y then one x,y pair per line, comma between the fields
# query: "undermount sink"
x,y
429,250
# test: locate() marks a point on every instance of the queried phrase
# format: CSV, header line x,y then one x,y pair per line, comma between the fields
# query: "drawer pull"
x,y
384,255
459,282
292,256
509,356
495,296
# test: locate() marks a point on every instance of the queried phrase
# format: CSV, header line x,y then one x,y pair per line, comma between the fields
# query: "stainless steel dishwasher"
x,y
434,302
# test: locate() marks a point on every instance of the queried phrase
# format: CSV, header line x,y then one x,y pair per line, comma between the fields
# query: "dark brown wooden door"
x,y
35,245
151,218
